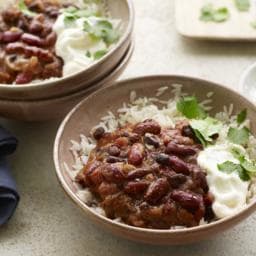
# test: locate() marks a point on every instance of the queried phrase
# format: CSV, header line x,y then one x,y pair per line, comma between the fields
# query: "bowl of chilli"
x,y
51,48
160,159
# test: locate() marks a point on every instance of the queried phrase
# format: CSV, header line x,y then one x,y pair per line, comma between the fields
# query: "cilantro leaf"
x,y
230,167
241,116
209,13
190,108
220,15
253,24
248,166
102,29
206,12
25,10
99,54
243,5
238,136
205,129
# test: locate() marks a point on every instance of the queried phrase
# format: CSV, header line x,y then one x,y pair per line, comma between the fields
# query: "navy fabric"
x,y
9,196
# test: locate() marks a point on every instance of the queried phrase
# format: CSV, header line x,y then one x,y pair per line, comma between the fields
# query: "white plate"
x,y
236,28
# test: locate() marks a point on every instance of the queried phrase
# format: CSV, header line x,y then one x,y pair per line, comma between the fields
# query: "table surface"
x,y
48,223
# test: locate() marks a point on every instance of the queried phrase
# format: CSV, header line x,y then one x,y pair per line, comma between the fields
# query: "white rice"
x,y
139,109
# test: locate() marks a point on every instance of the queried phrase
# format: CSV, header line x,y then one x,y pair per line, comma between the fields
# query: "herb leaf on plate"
x,y
241,117
190,108
238,136
209,13
243,5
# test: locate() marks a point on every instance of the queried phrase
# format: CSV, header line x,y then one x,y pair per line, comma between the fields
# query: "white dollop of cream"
x,y
73,43
6,4
229,190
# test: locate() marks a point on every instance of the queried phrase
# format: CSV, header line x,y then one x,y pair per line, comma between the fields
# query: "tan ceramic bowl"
x,y
88,113
41,110
122,10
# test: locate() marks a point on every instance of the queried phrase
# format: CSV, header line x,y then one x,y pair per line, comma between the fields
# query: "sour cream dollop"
x,y
73,43
228,190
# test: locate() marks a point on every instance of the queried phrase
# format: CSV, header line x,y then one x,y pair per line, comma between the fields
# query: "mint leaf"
x,y
241,116
99,54
243,5
238,136
190,108
207,128
24,9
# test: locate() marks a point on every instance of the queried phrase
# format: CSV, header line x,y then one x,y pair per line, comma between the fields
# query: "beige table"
x,y
47,223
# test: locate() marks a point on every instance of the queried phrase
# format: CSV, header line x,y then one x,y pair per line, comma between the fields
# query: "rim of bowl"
x,y
244,76
251,206
54,82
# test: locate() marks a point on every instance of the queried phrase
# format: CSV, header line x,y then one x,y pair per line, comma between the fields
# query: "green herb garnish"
x,y
209,13
99,54
238,136
24,9
190,108
241,116
243,5
206,129
102,29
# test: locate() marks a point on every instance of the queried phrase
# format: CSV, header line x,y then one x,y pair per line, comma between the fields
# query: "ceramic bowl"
x,y
41,110
122,10
88,113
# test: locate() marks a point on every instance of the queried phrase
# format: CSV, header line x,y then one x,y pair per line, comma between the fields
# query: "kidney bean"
x,y
173,148
10,36
179,165
148,126
36,27
151,140
157,190
24,78
122,142
89,171
199,178
177,179
113,173
95,176
162,159
11,15
31,39
98,133
133,137
138,173
136,154
50,39
52,12
135,187
187,200
114,150
114,159
28,51
106,189
208,199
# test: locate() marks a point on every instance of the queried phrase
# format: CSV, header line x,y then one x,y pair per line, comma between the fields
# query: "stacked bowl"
x,y
53,98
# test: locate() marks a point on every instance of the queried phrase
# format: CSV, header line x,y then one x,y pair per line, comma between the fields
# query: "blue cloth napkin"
x,y
9,196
